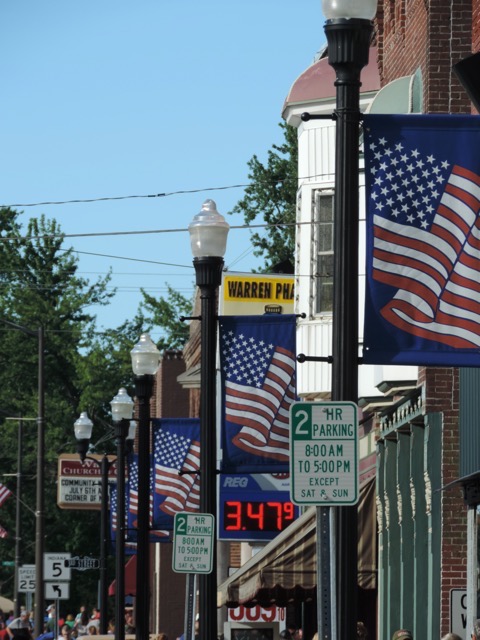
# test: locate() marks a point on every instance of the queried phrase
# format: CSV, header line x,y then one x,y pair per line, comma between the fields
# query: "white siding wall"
x,y
316,162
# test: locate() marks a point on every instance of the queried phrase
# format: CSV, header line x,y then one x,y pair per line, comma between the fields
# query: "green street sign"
x,y
193,536
324,453
8,563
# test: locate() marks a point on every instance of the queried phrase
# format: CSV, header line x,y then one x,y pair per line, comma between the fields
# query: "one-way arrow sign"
x,y
57,590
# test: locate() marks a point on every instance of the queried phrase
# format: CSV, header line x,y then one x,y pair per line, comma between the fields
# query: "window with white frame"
x,y
323,217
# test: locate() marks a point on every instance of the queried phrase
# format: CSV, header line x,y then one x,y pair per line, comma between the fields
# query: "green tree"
x,y
165,313
271,197
40,287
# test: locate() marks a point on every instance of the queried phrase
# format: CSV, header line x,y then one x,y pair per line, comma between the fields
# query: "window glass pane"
x,y
325,283
324,251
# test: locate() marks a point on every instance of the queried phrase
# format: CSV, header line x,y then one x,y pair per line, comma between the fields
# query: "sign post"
x,y
324,453
193,542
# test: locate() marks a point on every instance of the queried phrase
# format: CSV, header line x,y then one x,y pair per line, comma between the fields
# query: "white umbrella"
x,y
6,604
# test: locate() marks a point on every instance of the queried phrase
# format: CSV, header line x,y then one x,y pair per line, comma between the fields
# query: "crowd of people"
x,y
88,624
71,626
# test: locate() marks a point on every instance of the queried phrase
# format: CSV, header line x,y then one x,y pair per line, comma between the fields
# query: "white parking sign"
x,y
193,537
324,453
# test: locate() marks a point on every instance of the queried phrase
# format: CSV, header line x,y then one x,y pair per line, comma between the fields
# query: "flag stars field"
x,y
408,198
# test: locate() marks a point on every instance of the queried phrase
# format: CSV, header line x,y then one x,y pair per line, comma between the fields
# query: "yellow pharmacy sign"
x,y
256,294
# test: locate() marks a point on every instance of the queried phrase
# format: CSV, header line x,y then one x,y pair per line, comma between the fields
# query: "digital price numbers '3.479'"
x,y
272,516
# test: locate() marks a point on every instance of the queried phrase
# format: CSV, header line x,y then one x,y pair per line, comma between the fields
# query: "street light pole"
x,y
208,236
145,361
83,432
122,411
349,30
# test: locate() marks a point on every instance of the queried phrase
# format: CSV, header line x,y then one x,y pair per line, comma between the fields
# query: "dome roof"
x,y
317,82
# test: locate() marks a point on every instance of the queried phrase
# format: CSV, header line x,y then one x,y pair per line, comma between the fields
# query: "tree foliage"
x,y
165,313
271,197
40,287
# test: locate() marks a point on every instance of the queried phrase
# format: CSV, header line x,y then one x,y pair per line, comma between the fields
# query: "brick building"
x,y
422,529
422,423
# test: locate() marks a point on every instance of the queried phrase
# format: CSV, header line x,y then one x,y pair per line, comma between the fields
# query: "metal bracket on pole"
x,y
301,357
311,116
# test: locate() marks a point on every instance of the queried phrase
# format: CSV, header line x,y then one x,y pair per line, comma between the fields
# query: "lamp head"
x,y
363,9
208,232
122,406
145,356
83,427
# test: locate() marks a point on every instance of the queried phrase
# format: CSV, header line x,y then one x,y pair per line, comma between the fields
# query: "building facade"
x,y
412,418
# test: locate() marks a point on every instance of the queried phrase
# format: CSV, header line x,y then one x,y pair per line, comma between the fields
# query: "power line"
x,y
160,195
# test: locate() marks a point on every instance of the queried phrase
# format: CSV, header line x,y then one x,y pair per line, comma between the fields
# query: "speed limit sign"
x,y
55,566
26,578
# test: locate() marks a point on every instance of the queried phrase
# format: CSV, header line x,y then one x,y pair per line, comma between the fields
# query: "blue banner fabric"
x,y
156,532
423,240
176,447
257,364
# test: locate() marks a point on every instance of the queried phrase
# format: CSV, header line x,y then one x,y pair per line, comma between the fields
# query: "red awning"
x,y
130,578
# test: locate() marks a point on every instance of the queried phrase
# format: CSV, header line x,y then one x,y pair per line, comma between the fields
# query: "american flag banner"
x,y
423,240
156,534
257,363
130,545
4,493
176,443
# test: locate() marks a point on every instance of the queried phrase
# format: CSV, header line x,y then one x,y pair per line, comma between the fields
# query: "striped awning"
x,y
286,568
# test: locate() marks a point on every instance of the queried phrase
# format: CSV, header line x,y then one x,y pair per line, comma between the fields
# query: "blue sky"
x,y
110,98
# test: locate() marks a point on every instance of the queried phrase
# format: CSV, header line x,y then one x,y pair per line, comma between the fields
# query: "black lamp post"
x,y
145,360
349,30
122,409
208,236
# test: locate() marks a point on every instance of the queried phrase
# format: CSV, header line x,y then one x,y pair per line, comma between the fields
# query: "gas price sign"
x,y
254,507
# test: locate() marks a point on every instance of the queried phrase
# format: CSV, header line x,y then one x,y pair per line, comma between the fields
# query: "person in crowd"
x,y
65,632
129,623
50,622
81,625
362,631
402,634
80,611
92,630
285,635
20,627
476,630
70,620
451,636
